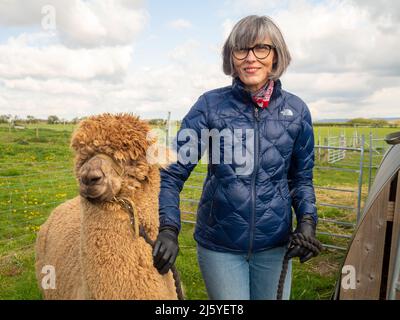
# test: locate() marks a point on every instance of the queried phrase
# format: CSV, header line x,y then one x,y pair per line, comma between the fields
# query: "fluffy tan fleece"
x,y
92,247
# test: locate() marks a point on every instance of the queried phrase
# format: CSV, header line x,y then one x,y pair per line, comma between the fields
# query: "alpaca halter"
x,y
125,203
139,231
129,207
116,166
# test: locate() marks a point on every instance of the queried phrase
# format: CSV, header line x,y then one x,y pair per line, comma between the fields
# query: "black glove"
x,y
165,249
306,227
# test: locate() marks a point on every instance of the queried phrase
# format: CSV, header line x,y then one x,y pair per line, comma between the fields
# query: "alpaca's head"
x,y
112,158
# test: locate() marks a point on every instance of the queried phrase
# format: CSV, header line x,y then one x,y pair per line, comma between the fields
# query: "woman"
x,y
244,219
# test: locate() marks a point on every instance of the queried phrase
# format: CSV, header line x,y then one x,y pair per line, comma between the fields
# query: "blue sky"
x,y
151,57
159,37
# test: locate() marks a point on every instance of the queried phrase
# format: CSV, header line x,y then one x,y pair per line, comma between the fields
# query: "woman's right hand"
x,y
165,249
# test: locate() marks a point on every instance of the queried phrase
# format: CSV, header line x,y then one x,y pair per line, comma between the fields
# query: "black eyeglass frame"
x,y
269,46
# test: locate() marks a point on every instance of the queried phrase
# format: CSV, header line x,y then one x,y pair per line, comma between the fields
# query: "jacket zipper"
x,y
253,181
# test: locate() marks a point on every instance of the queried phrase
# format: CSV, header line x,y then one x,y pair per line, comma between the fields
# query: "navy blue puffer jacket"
x,y
241,210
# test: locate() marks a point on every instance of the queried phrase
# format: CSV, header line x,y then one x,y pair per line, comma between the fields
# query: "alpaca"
x,y
89,240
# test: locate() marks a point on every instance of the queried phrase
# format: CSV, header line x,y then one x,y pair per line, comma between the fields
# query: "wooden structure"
x,y
373,257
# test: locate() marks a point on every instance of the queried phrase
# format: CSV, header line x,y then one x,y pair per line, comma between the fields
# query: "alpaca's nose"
x,y
92,177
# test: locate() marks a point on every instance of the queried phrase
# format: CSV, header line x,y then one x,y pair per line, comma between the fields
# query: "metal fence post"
x,y
319,143
360,178
370,160
168,129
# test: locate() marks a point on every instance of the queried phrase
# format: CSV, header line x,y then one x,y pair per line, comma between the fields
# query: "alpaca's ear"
x,y
160,155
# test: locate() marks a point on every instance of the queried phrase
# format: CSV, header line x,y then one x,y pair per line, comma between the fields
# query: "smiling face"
x,y
254,72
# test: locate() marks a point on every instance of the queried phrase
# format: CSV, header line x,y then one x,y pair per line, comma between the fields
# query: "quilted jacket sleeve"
x,y
187,142
301,170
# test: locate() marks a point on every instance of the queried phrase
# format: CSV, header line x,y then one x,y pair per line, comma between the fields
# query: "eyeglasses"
x,y
260,51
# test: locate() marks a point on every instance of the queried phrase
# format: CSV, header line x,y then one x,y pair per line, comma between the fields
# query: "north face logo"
x,y
287,112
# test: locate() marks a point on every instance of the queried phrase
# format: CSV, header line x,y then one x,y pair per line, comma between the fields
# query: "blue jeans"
x,y
229,276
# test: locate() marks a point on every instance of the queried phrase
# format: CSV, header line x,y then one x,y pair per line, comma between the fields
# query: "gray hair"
x,y
249,30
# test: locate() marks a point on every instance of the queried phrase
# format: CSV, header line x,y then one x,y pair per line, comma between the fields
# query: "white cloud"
x,y
338,37
185,51
180,24
242,8
19,12
344,53
227,26
69,70
346,95
382,103
149,91
97,23
56,61
49,86
345,61
383,10
41,104
81,23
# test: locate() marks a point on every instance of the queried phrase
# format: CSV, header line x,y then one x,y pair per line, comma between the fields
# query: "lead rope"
x,y
297,239
139,229
175,273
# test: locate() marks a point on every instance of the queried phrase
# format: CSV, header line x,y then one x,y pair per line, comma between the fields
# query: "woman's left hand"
x,y
306,227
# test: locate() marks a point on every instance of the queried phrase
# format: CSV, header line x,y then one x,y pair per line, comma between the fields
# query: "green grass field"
x,y
36,175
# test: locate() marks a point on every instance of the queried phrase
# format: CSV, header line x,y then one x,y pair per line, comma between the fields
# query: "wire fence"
x,y
29,190
346,160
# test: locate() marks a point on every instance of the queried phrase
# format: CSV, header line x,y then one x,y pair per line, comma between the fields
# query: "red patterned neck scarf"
x,y
262,96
